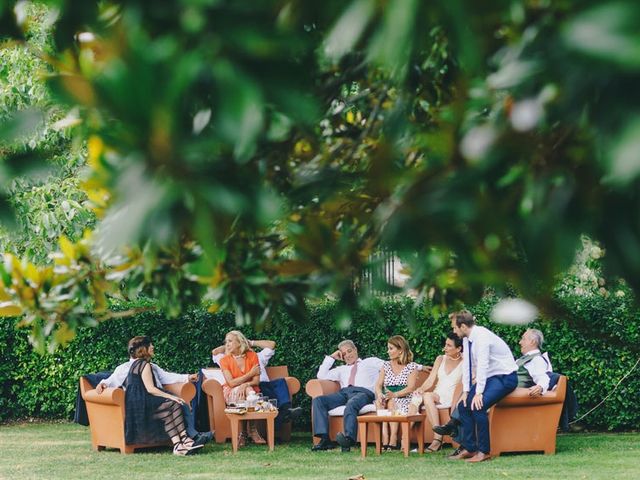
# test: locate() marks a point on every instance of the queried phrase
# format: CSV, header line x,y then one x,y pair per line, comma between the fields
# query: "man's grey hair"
x,y
536,335
347,343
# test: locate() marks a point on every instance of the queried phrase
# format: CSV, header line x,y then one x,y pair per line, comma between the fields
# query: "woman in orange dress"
x,y
241,370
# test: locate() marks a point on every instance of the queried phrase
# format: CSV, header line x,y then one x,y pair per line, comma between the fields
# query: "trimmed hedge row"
x,y
595,355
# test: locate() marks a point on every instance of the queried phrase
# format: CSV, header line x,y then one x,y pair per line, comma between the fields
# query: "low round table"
x,y
376,422
236,418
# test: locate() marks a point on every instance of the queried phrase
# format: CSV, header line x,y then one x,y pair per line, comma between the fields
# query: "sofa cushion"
x,y
214,373
339,411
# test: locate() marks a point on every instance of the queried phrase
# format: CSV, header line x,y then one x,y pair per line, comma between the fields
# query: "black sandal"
x,y
431,450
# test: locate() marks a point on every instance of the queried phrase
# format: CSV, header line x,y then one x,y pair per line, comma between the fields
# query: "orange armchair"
x,y
218,421
106,412
520,423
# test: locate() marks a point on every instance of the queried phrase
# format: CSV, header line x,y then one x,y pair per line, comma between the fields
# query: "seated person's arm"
x,y
234,382
430,382
116,379
217,353
263,344
378,388
325,372
147,379
411,386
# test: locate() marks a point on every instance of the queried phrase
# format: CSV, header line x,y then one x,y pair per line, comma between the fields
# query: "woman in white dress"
x,y
445,375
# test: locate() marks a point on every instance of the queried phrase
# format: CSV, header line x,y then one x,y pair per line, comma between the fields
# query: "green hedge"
x,y
595,348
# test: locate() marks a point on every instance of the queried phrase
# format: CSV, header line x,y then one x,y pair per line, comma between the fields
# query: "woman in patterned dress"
x,y
396,382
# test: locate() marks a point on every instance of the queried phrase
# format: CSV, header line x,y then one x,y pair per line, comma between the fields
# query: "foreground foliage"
x,y
255,156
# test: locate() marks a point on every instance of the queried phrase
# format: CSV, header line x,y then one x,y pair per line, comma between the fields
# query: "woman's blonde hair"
x,y
242,340
401,344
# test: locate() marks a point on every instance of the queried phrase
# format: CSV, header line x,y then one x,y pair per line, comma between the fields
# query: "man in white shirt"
x,y
533,367
162,377
496,377
357,380
274,389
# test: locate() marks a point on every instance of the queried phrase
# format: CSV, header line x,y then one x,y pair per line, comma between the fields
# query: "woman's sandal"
x,y
256,437
182,450
434,450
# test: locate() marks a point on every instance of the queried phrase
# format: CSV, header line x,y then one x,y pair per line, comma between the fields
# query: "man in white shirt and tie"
x,y
357,380
496,377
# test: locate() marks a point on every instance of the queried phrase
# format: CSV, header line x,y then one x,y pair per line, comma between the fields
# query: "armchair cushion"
x,y
339,411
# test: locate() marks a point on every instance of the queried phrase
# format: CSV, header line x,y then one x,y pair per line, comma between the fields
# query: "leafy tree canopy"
x,y
255,153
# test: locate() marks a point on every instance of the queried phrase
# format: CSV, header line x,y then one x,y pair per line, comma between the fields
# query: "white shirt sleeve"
x,y
325,372
216,358
482,349
118,376
265,355
466,374
167,378
537,368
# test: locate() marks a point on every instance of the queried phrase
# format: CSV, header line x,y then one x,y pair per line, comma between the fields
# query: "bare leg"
x,y
430,400
393,427
385,434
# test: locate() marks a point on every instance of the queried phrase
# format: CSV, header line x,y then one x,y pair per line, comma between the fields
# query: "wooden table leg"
x,y
377,433
271,432
234,433
421,431
362,433
405,438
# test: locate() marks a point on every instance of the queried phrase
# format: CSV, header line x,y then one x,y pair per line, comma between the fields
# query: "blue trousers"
x,y
353,397
475,423
189,421
278,389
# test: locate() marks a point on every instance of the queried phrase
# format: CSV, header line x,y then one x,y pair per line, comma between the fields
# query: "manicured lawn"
x,y
62,451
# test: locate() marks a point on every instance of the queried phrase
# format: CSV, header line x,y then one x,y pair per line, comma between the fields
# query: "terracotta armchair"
x,y
520,423
316,388
106,412
219,423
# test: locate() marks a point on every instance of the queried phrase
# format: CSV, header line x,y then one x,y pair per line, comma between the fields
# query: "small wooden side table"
x,y
376,422
236,418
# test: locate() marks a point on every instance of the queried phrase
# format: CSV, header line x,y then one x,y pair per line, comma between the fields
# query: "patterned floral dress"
x,y
399,380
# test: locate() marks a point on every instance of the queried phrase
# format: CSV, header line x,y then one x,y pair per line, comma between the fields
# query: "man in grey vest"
x,y
532,365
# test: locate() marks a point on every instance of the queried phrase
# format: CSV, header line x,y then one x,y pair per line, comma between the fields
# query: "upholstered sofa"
x,y
520,423
316,388
106,413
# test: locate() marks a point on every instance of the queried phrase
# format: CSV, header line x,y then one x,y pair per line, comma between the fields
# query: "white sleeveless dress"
x,y
447,384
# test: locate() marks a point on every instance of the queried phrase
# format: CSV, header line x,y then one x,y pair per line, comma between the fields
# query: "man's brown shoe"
x,y
462,455
479,457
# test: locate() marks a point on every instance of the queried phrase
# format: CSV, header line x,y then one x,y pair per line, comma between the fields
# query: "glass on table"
x,y
273,404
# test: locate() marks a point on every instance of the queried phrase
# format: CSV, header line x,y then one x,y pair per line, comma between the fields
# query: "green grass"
x,y
52,451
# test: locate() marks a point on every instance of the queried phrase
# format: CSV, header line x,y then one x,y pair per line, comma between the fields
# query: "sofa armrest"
x,y
212,387
186,390
109,396
520,398
293,384
316,388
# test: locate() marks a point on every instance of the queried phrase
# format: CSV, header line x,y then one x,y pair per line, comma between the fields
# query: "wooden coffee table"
x,y
236,418
376,421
